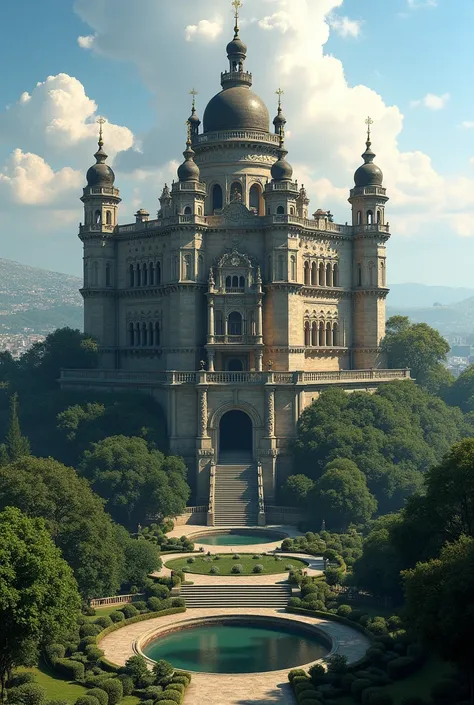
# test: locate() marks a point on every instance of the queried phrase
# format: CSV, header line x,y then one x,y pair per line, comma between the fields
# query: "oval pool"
x,y
237,537
240,646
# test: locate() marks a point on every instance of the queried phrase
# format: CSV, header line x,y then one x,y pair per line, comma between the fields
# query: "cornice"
x,y
315,292
377,292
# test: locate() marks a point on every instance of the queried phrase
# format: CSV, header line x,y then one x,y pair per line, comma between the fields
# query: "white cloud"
x,y
279,21
468,124
86,42
420,4
432,101
346,27
204,29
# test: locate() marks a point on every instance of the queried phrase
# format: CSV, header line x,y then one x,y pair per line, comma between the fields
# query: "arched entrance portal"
x,y
235,434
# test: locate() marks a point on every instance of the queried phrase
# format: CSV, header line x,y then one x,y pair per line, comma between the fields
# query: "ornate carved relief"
x,y
270,403
203,413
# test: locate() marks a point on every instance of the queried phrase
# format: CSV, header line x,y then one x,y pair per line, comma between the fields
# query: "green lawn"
x,y
226,561
421,682
104,611
55,686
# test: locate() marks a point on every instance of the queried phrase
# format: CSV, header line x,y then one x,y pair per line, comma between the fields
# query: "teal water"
x,y
236,539
237,648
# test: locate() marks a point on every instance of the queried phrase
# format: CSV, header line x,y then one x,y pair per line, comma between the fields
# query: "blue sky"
x,y
406,62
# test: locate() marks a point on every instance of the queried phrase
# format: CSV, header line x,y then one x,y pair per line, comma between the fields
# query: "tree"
x,y
16,445
461,392
439,603
74,516
141,557
135,481
414,345
295,491
38,594
341,496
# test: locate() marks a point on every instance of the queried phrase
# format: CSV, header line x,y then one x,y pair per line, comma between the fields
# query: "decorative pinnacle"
x,y
101,121
369,122
279,93
194,93
237,4
282,136
190,139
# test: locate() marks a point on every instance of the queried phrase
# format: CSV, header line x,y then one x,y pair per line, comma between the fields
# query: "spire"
x,y
237,4
282,169
193,118
280,120
100,155
189,170
369,173
368,155
100,174
236,53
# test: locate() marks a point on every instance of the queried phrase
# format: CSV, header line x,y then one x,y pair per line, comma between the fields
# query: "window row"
x,y
320,274
235,283
373,277
96,218
321,335
369,218
142,335
144,274
94,276
236,194
234,323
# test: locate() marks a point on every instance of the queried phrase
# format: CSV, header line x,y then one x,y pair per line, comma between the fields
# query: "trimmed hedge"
x,y
114,690
100,694
73,670
402,667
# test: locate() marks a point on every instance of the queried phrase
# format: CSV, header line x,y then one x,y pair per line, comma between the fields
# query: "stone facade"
x,y
234,278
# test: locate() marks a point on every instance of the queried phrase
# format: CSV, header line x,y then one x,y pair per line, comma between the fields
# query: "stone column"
x,y
211,320
202,413
270,412
210,358
259,361
259,321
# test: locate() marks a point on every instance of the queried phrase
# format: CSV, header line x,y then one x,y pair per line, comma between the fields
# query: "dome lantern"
x,y
100,175
369,173
189,170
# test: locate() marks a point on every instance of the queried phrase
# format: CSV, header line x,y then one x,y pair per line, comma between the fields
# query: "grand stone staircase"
x,y
236,492
215,596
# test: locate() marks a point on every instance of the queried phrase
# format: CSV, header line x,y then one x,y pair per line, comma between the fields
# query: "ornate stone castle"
x,y
233,307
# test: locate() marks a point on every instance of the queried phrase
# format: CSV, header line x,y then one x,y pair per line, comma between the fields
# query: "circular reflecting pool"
x,y
237,538
239,647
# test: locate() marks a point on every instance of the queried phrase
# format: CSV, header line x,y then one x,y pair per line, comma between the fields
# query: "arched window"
x,y
307,274
280,210
200,267
328,275
293,268
235,282
371,274
95,274
236,193
175,267
321,277
217,198
86,274
307,334
328,335
292,210
335,335
379,217
241,282
281,268
370,218
219,323
254,198
108,275
158,273
108,218
157,334
228,282
151,272
187,267
138,336
269,211
314,274
138,276
131,274
151,335
335,275
188,210
235,323
359,217
144,335
131,335
314,334
321,340
359,275
383,278
270,268
98,217
252,326
145,275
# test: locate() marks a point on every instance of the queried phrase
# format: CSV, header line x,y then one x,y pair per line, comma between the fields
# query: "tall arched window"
x,y
151,335
219,323
108,275
280,210
314,334
236,193
379,217
95,274
157,334
307,274
307,334
359,217
335,275
131,275
138,336
281,268
383,278
188,210
335,335
270,268
241,282
108,218
314,274
234,325
151,272
145,275
370,218
217,198
321,277
321,335
138,276
200,265
254,198
228,283
235,282
144,334
328,335
371,274
131,335
359,275
187,267
328,275
293,268
252,327
158,273
98,217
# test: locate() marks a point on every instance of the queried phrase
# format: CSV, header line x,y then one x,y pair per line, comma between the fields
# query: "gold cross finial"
x,y
279,93
237,4
188,125
194,93
101,121
369,122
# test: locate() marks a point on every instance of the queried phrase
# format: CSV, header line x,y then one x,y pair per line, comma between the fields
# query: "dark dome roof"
x,y
189,170
368,175
100,175
236,108
194,118
236,46
282,170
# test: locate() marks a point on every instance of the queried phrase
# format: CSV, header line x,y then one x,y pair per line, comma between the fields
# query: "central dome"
x,y
236,108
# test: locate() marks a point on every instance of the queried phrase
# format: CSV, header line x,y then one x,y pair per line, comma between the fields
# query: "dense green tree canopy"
x,y
294,492
393,436
414,345
378,569
16,445
341,497
461,392
74,516
39,600
135,481
439,602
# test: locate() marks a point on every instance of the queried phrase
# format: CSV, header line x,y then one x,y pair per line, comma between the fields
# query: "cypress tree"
x,y
17,446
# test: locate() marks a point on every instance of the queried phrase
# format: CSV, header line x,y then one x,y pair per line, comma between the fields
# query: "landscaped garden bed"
x,y
236,564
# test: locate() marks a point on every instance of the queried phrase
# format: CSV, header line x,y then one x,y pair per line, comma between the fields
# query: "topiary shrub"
x,y
347,681
364,620
375,656
140,605
191,560
114,690
93,653
296,671
89,630
214,570
20,679
129,611
180,680
295,602
258,568
317,673
337,664
127,684
87,641
302,687
156,589
103,622
100,695
344,611
237,569
401,667
117,616
376,696
178,602
377,625
178,687
55,651
163,672
73,670
87,700
27,694
135,667
169,696
154,604
358,687
88,611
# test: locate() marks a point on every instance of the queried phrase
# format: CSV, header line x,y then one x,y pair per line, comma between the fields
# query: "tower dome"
x,y
100,175
282,169
189,170
280,120
369,174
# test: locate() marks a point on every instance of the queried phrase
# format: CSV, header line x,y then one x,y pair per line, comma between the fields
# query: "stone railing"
x,y
116,600
216,378
261,498
235,339
212,496
96,228
224,136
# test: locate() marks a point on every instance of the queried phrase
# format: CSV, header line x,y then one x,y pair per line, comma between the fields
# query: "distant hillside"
x,y
37,301
423,296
